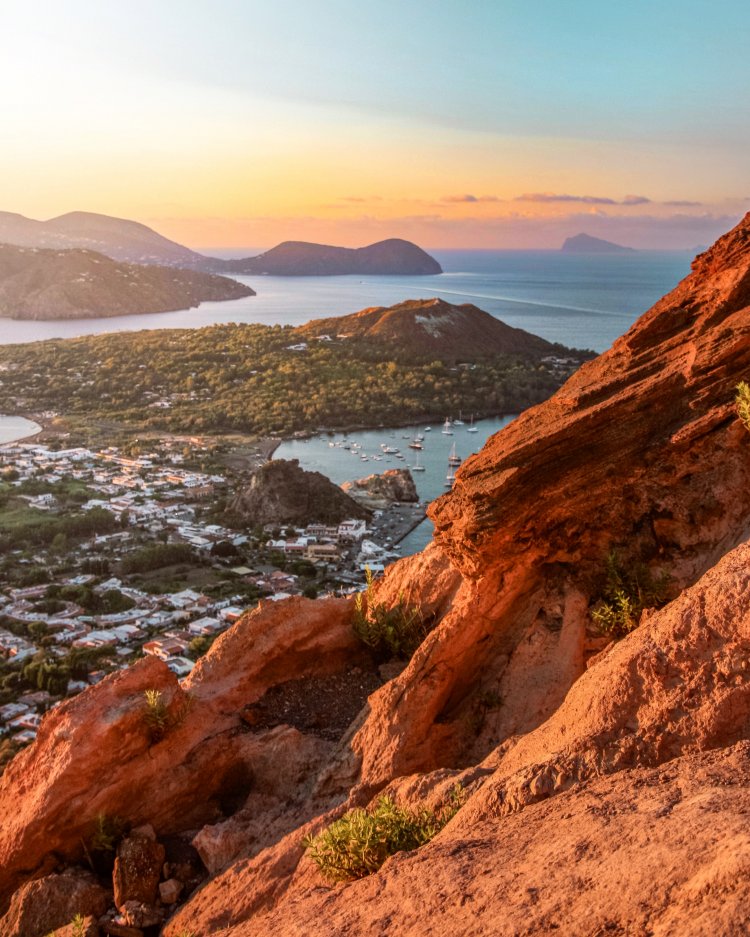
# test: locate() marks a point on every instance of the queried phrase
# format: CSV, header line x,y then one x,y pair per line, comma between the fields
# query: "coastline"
x,y
31,419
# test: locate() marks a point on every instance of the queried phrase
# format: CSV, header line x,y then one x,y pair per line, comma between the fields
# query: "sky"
x,y
480,124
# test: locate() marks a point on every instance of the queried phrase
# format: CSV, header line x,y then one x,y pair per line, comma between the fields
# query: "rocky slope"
x,y
605,783
280,492
392,257
434,327
79,284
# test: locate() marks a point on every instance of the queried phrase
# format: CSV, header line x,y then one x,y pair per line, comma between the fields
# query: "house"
x,y
164,648
231,614
12,710
180,665
204,626
351,530
325,552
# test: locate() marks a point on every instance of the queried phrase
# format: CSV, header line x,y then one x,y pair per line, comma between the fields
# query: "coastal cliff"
x,y
578,756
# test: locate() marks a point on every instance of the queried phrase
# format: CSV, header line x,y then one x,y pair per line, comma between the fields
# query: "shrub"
x,y
358,843
155,714
742,403
107,833
388,632
78,926
626,594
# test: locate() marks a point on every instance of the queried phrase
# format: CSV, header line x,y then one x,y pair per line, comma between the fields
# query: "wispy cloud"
x,y
458,199
546,197
683,203
635,200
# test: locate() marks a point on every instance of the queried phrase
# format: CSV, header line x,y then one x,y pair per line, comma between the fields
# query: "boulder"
x,y
137,871
380,491
50,903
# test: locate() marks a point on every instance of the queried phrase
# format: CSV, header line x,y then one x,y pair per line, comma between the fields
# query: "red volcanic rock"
x,y
94,750
50,903
137,872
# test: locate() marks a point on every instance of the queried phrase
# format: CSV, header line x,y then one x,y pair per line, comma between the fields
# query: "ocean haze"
x,y
584,301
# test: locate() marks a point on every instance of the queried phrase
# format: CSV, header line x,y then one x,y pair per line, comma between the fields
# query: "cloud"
x,y
682,203
457,199
546,197
635,200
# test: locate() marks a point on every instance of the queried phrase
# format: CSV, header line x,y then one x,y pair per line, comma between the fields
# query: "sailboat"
x,y
446,430
416,444
417,467
454,458
471,428
450,478
459,421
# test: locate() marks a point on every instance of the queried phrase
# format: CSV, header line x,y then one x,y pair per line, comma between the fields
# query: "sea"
x,y
578,300
583,300
13,428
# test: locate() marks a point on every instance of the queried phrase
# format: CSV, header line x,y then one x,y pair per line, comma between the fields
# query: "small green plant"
x,y
155,714
358,843
107,833
626,594
388,632
742,403
78,925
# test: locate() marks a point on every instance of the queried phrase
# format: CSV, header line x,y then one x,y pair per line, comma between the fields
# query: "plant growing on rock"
x,y
357,844
78,926
626,594
389,632
155,714
742,403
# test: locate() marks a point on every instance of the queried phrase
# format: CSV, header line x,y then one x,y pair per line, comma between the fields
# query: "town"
x,y
107,556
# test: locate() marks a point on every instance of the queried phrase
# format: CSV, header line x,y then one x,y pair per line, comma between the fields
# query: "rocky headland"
x,y
603,774
588,244
78,284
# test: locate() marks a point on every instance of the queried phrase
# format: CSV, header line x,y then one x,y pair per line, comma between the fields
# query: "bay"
x,y
325,453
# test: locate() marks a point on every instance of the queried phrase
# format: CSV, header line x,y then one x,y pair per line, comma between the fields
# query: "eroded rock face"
x,y
94,750
137,870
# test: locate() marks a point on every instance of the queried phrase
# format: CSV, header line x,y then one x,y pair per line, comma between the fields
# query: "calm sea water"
x,y
16,427
325,454
580,300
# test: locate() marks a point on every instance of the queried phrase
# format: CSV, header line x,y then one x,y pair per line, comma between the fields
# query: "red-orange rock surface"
x,y
606,787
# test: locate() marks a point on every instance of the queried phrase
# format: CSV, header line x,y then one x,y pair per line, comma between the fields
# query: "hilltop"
x,y
586,244
298,258
433,327
76,284
131,241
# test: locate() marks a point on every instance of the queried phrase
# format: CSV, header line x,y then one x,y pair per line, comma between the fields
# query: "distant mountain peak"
x,y
587,244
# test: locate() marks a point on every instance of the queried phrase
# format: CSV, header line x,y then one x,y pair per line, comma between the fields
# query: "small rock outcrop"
x,y
50,903
280,492
380,491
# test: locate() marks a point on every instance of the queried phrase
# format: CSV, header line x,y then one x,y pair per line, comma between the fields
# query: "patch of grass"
x,y
628,591
742,403
155,715
389,632
357,844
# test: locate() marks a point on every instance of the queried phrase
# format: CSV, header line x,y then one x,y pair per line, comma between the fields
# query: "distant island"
x,y
132,242
392,257
81,284
586,244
